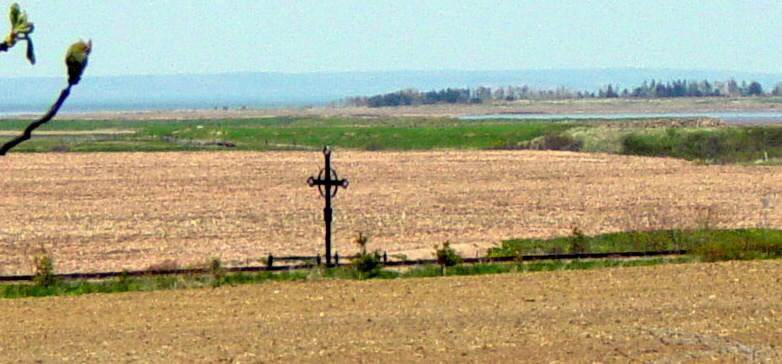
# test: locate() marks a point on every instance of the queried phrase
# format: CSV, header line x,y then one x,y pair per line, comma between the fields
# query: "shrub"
x,y
447,256
123,281
556,141
579,244
217,271
44,270
366,264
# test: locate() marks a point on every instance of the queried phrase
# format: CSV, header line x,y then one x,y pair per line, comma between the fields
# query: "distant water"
x,y
17,110
742,117
17,113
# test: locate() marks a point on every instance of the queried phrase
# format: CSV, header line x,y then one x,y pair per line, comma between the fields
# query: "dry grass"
x,y
131,211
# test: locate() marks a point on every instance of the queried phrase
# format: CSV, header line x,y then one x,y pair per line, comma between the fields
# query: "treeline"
x,y
649,89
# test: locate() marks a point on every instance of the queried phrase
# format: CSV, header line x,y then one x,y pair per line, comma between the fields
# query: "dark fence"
x,y
314,261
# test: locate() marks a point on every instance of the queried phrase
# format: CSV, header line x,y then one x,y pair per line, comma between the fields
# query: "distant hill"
x,y
256,90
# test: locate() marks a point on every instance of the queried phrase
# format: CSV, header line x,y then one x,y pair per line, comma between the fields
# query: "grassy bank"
x,y
722,145
630,137
711,245
708,245
156,283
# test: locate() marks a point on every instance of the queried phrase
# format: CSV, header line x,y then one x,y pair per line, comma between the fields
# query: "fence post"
x,y
317,259
385,258
270,261
336,258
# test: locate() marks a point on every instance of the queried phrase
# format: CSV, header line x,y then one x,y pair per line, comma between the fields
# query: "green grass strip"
x,y
157,283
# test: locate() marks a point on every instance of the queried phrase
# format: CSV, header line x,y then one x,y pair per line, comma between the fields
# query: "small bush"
x,y
217,271
366,264
123,281
557,141
44,270
447,256
579,244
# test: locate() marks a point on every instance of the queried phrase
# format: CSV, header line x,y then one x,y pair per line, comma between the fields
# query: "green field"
x,y
733,144
284,134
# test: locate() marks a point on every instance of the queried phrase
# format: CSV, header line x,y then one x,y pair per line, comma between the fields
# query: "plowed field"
x,y
728,312
115,211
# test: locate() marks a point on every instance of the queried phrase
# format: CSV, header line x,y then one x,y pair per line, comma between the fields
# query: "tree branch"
x,y
27,134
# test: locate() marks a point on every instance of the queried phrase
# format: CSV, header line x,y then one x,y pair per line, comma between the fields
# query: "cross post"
x,y
328,184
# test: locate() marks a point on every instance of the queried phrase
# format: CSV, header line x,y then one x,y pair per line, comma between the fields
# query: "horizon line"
x,y
305,73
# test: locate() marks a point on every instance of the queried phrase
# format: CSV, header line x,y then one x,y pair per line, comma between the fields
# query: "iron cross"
x,y
328,184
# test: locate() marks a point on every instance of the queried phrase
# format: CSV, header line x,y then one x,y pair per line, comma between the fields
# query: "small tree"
x,y
755,89
366,263
446,256
43,268
217,271
75,60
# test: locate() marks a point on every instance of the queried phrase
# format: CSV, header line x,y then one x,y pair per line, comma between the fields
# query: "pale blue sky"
x,y
200,36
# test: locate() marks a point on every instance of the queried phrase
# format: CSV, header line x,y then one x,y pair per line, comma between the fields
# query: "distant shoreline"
x,y
600,106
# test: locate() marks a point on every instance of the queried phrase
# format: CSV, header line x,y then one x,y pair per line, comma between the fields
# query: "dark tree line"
x,y
414,97
684,88
649,89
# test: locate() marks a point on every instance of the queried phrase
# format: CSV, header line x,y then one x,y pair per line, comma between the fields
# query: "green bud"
x,y
15,12
20,27
20,30
76,60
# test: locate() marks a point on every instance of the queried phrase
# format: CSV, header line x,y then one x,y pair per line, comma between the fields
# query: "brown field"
x,y
726,312
115,211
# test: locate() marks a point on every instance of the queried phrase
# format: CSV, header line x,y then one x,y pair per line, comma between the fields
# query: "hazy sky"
x,y
200,36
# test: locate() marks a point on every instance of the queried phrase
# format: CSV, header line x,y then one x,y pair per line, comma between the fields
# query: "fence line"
x,y
270,267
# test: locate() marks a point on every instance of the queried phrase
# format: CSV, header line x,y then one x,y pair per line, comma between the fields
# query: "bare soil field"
x,y
114,211
726,312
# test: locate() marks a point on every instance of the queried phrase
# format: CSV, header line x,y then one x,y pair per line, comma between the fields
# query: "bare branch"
x,y
76,60
27,134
